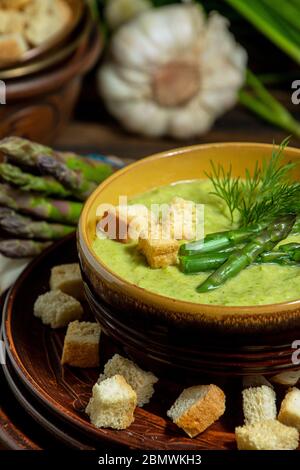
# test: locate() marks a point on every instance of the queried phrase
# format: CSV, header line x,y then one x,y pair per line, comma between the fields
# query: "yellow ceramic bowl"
x,y
139,310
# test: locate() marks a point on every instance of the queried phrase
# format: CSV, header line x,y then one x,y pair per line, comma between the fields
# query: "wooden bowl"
x,y
39,106
195,337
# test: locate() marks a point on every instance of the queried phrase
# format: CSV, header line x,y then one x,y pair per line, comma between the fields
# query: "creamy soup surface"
x,y
256,285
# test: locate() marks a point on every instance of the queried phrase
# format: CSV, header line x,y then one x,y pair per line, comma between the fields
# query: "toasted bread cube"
x,y
81,345
67,278
266,435
11,22
45,19
57,309
125,223
159,253
289,413
183,219
12,47
141,381
259,403
112,404
163,261
197,408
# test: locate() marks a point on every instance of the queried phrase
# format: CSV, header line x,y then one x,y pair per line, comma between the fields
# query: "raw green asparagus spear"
x,y
91,170
201,263
15,224
27,182
211,261
22,248
278,257
5,212
80,187
198,262
296,256
24,152
66,212
292,249
289,247
220,240
296,228
266,240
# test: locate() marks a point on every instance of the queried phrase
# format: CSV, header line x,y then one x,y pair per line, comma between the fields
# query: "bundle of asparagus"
x,y
22,248
46,185
287,255
49,187
26,153
18,225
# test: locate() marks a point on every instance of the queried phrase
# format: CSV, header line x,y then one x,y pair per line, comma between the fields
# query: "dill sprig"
x,y
263,194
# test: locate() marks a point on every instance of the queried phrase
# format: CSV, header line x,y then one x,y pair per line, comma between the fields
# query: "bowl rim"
x,y
158,300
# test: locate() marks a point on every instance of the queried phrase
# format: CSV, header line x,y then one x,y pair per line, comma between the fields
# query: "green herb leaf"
x,y
262,195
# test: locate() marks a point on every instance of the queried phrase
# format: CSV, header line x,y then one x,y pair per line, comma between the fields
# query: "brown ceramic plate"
x,y
22,426
34,352
12,435
17,430
24,423
52,428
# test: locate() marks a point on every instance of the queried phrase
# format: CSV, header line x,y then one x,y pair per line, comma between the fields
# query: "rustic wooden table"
x,y
107,137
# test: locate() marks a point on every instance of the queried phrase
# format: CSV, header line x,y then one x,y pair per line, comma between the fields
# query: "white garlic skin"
x,y
172,71
118,12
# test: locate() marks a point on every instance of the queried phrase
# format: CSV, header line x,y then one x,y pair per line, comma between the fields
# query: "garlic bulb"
x,y
171,71
118,12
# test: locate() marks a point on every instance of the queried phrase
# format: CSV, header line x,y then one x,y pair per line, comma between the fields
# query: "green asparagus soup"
x,y
256,285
